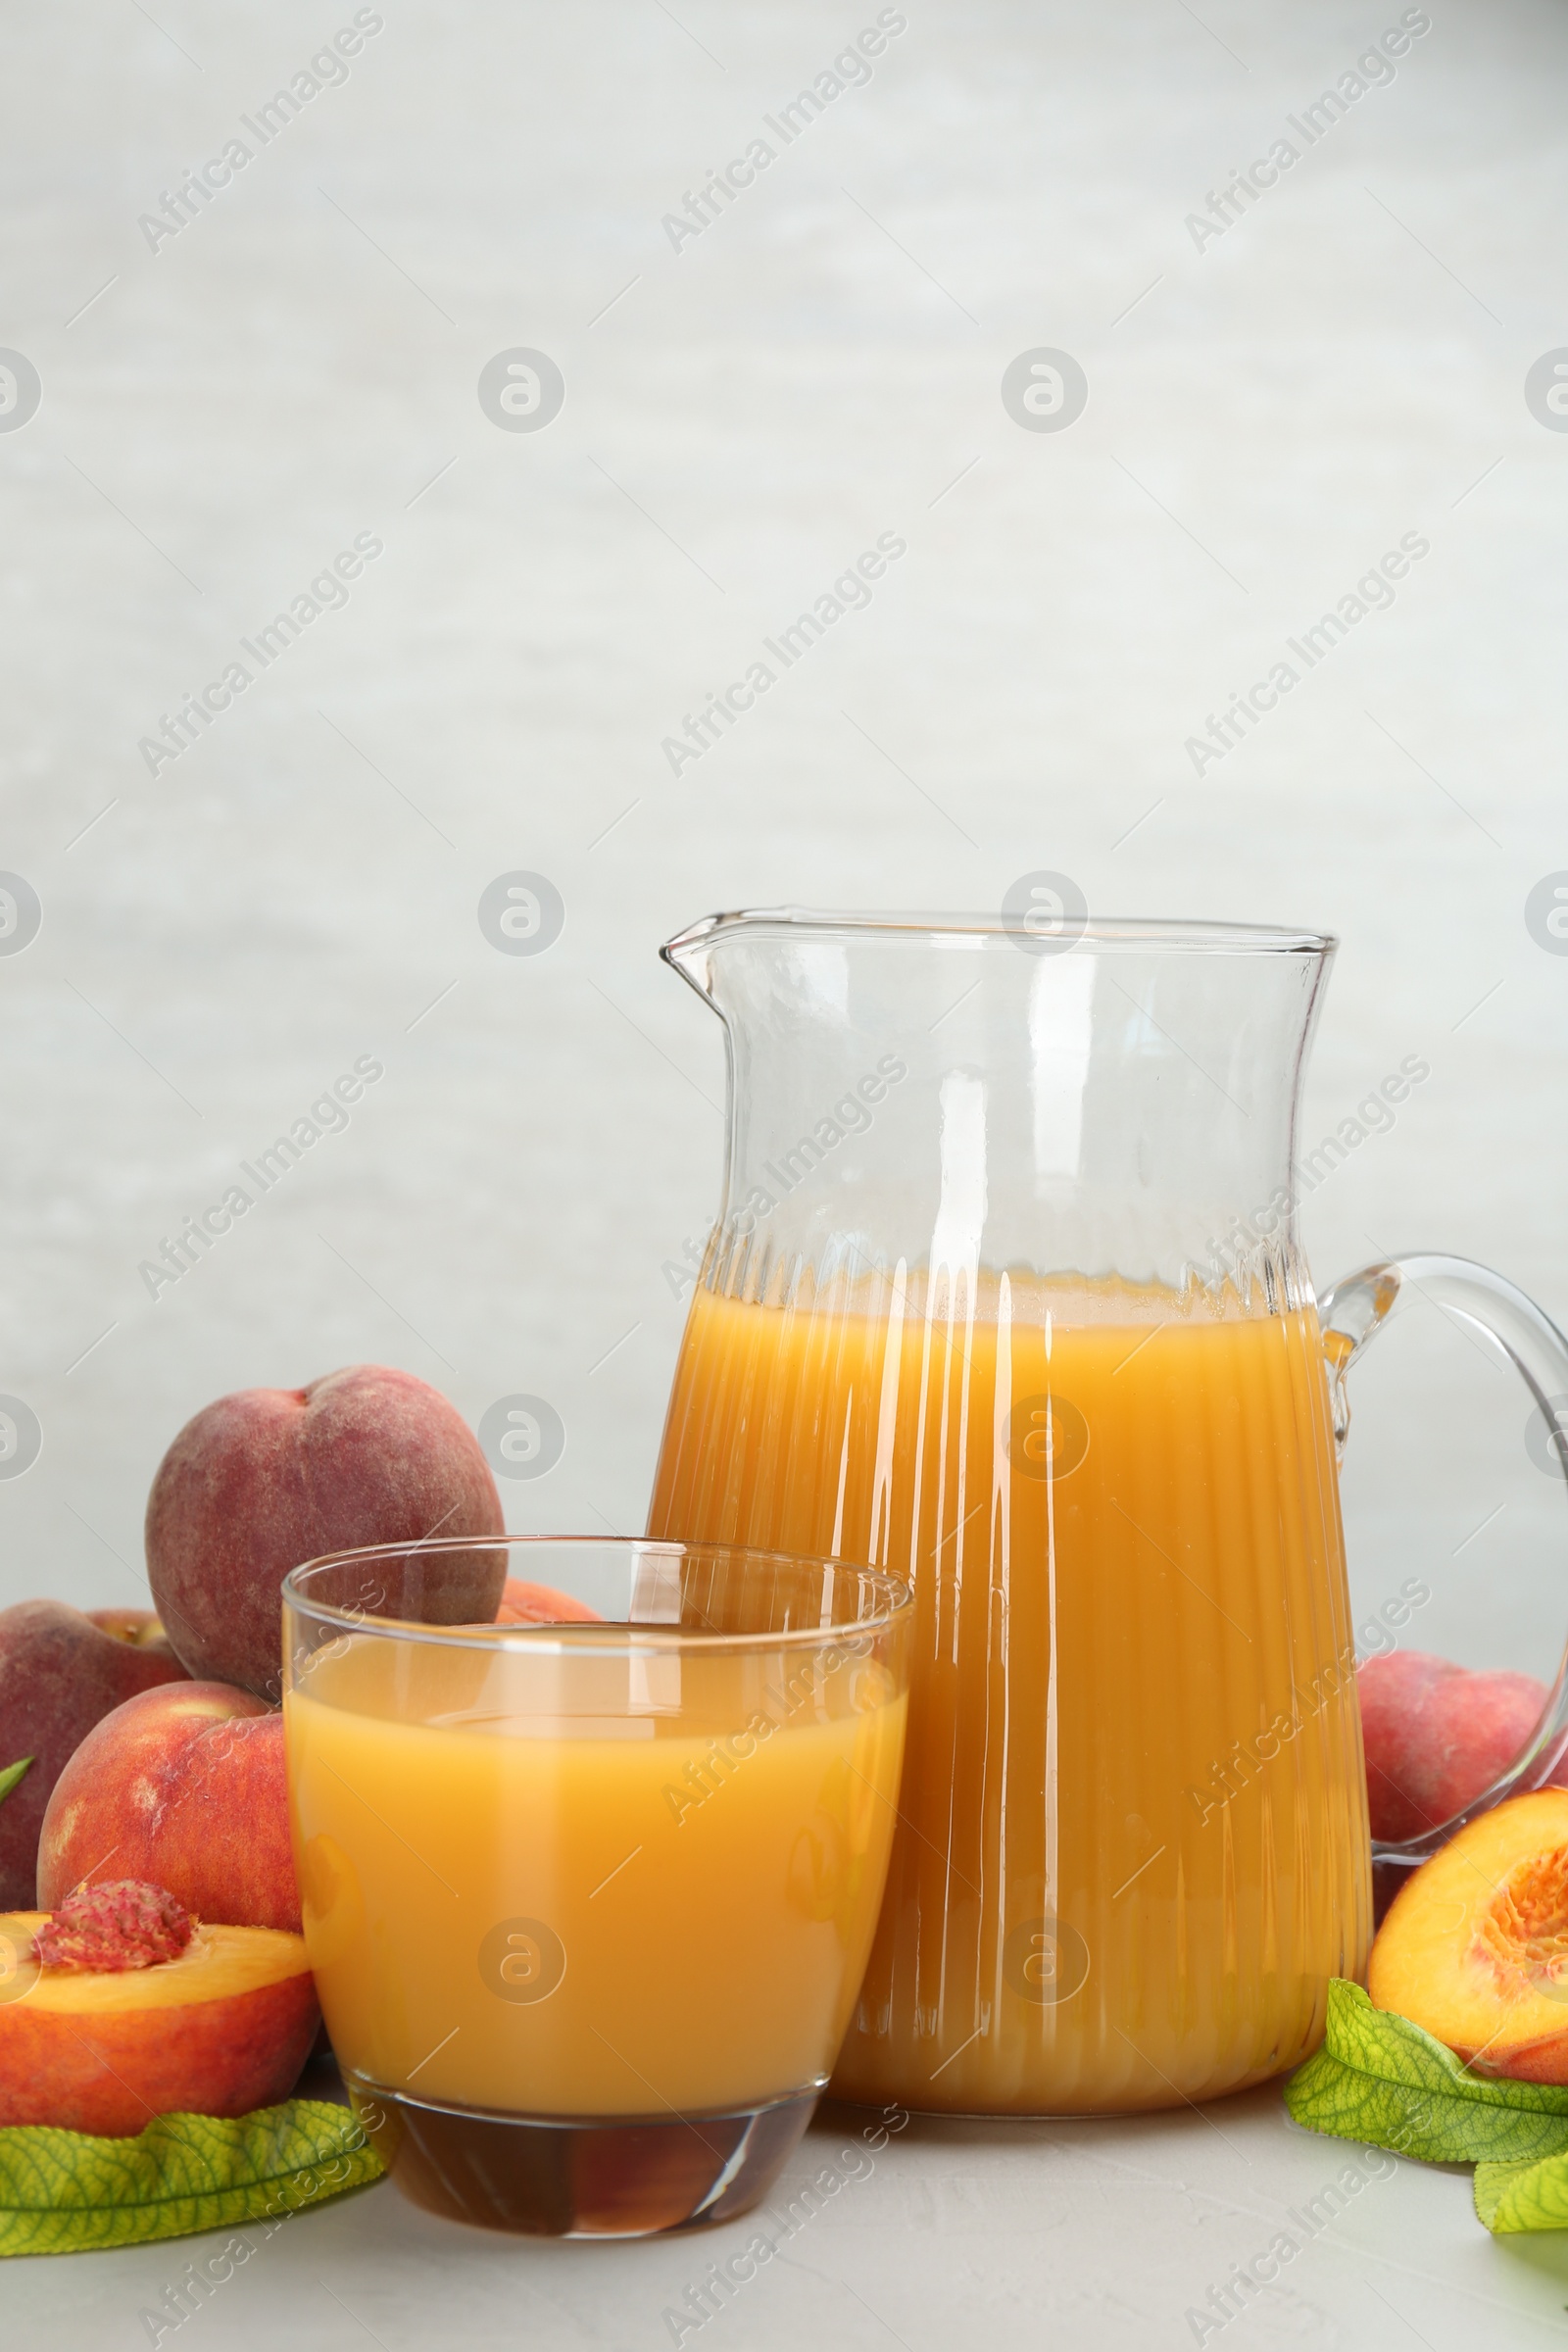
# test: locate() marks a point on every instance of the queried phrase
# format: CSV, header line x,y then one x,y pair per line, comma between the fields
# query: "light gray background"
x,y
1266,416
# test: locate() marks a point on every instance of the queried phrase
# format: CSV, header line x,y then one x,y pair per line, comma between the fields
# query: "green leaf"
x,y
1388,2083
11,1776
1512,2197
61,2191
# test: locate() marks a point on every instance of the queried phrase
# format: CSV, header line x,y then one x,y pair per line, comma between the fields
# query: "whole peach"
x,y
183,1788
139,1627
60,1674
1436,1736
268,1477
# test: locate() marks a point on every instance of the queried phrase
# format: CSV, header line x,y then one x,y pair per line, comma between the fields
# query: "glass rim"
x,y
1175,935
896,1599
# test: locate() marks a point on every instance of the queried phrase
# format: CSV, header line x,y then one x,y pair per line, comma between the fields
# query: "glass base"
x,y
606,2176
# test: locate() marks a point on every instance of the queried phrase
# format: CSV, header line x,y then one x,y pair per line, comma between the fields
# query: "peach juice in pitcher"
x,y
1005,1297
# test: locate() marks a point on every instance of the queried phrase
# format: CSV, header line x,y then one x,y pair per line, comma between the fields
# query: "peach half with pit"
x,y
1475,1946
120,2007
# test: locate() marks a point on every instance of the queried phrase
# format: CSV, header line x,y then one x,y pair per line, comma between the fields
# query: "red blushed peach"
x,y
221,2030
1437,1736
139,1627
269,1478
185,1788
61,1672
1475,1946
542,1604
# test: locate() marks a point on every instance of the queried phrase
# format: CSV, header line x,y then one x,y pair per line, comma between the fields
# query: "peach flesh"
x,y
221,2030
1475,1948
1525,1927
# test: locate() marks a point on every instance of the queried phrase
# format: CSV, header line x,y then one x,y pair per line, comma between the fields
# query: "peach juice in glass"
x,y
588,1904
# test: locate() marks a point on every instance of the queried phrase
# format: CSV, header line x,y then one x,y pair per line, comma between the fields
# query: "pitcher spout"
x,y
689,952
692,951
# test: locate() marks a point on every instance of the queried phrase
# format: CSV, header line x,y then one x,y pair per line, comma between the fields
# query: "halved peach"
x,y
1475,1948
221,2029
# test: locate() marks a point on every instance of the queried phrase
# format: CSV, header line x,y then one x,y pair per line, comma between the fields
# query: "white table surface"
x,y
1345,365
1009,2237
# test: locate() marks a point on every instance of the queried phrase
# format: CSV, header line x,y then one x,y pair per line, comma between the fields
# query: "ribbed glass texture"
x,y
1003,1296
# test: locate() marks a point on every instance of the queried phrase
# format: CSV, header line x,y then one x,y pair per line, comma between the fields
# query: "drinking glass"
x,y
588,1902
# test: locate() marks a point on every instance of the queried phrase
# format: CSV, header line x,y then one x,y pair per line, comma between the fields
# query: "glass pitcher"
x,y
1005,1297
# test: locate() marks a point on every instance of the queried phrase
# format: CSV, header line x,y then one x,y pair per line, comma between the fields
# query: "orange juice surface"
x,y
562,1886
1133,1835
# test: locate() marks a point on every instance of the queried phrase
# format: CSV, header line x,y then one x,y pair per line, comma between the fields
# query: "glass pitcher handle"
x,y
1352,1314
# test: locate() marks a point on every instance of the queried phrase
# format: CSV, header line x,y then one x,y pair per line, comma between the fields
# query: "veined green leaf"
x,y
1383,2080
11,1776
61,2191
1511,2197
